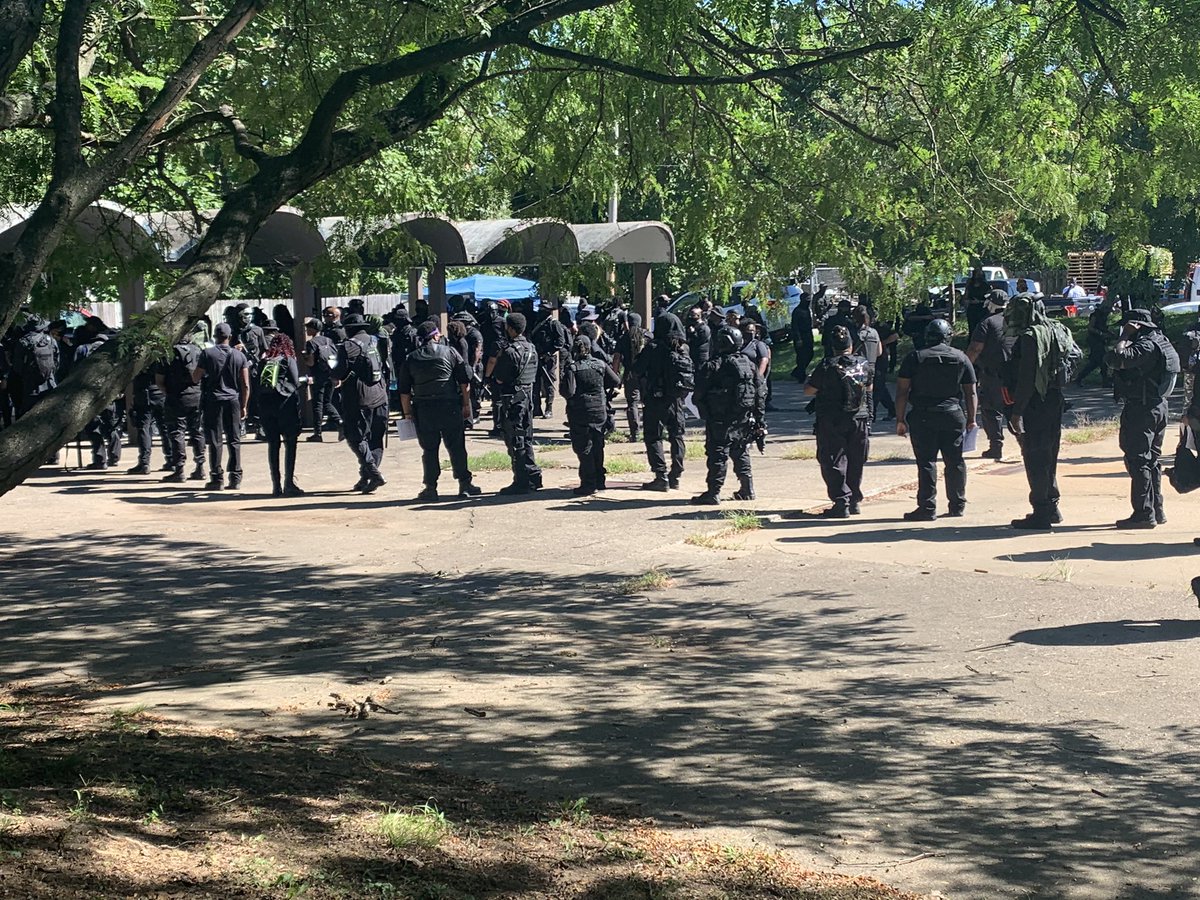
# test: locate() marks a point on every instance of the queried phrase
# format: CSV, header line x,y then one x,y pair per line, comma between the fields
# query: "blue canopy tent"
x,y
491,287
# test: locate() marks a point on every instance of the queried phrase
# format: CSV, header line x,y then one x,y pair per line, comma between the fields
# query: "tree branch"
x,y
67,105
223,115
779,72
350,83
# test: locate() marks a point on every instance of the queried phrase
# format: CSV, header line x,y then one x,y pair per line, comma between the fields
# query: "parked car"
x,y
1186,308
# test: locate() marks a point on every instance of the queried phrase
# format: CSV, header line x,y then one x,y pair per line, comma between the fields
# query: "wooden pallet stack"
x,y
1087,268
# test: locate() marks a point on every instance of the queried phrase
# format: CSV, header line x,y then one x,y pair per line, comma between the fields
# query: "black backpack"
x,y
368,367
324,352
681,376
40,358
272,377
184,359
855,373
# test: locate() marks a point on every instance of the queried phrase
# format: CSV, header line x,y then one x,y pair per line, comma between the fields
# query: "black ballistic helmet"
x,y
938,331
729,340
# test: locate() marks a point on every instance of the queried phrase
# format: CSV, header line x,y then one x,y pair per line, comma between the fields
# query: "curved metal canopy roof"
x,y
628,242
285,239
103,222
437,233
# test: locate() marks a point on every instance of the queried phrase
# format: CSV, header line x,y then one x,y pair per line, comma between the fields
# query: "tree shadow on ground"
x,y
723,699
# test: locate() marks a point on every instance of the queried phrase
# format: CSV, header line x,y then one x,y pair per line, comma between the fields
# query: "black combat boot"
x,y
745,489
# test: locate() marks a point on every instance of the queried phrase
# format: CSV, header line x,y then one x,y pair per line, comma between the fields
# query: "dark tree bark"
x,y
20,22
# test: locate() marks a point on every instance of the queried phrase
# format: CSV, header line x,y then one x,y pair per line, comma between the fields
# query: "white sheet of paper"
x,y
406,430
690,408
971,440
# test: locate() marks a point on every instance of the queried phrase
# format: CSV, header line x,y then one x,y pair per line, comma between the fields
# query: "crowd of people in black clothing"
x,y
244,374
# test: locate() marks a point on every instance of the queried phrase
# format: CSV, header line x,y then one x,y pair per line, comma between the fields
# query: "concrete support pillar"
x,y
133,302
416,287
642,291
437,296
303,301
133,298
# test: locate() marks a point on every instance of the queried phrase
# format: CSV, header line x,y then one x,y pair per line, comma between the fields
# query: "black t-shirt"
x,y
223,366
756,351
937,374
997,346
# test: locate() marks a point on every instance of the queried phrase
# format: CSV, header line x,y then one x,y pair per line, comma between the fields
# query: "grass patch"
x,y
694,450
1085,430
498,461
801,451
1060,570
625,465
741,520
650,580
617,437
420,826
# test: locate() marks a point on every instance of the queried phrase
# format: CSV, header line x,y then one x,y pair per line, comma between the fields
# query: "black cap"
x,y
354,322
270,326
222,331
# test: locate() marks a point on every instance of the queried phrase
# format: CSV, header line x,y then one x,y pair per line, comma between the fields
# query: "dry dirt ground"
x,y
949,707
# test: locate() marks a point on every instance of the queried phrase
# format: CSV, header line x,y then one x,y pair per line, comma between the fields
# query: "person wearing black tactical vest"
x,y
758,351
551,341
730,394
989,352
699,337
35,364
666,376
629,347
181,406
147,413
251,339
585,383
1034,379
104,431
1144,368
359,374
320,356
279,409
931,388
225,374
435,392
841,385
514,370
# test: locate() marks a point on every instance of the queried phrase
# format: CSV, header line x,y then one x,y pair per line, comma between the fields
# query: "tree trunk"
x,y
20,22
93,384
